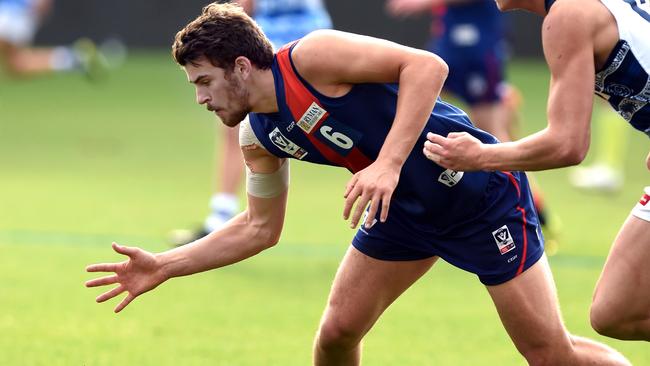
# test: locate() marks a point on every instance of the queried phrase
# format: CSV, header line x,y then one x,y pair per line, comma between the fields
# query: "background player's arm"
x,y
565,140
411,7
252,231
333,61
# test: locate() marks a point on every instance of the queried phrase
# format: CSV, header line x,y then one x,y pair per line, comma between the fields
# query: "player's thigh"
x,y
364,287
625,282
528,308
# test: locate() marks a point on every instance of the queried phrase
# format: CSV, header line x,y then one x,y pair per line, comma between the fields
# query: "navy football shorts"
x,y
476,75
498,244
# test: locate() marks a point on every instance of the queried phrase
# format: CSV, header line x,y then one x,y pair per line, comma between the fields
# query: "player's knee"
x,y
544,356
602,320
619,324
338,334
555,350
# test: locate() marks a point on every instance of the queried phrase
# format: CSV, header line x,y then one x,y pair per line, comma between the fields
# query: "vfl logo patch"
x,y
645,199
311,117
450,177
503,239
286,145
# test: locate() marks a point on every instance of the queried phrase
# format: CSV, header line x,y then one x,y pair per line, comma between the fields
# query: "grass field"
x,y
128,160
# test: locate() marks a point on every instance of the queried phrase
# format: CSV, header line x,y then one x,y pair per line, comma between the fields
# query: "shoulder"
x,y
569,29
570,15
313,48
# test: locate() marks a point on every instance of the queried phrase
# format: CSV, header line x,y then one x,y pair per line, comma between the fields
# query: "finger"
x,y
127,300
374,207
128,251
110,294
433,147
431,156
108,280
102,267
349,202
453,135
385,205
358,211
350,185
436,139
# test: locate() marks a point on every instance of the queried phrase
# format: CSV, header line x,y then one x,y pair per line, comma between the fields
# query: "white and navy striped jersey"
x,y
624,81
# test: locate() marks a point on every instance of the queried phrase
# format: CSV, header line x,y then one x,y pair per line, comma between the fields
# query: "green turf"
x,y
82,165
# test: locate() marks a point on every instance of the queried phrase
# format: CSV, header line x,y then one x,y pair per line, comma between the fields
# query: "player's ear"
x,y
243,66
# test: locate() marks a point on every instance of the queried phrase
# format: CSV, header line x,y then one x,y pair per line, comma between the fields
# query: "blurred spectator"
x,y
19,21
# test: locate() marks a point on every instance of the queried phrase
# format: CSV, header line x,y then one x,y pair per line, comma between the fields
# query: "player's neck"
x,y
262,92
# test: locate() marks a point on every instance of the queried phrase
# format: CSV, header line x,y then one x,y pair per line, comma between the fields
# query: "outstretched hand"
x,y
375,184
137,275
458,151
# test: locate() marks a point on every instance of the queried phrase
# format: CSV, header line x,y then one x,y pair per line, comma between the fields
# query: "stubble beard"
x,y
239,95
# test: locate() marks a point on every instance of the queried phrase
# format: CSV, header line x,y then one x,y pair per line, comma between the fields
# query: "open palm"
x,y
137,275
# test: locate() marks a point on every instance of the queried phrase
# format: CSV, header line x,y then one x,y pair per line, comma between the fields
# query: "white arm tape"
x,y
246,135
268,185
262,185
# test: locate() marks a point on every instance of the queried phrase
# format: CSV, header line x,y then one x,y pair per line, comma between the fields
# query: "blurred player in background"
x,y
283,21
470,36
19,21
589,45
364,104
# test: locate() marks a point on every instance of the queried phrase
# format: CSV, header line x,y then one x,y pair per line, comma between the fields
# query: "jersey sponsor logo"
x,y
338,136
450,177
311,117
286,145
503,239
644,200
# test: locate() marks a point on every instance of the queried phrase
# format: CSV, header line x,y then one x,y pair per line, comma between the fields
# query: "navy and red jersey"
x,y
482,222
349,131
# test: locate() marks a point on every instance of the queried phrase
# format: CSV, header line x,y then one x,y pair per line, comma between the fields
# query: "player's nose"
x,y
202,98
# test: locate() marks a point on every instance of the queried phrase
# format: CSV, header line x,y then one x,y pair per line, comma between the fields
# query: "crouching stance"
x,y
332,98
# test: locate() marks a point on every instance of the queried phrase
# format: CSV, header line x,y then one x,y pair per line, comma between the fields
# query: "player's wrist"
x,y
483,158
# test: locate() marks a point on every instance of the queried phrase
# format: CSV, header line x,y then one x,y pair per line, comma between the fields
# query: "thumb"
x,y
128,251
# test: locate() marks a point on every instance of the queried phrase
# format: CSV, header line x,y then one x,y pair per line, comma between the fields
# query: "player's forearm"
x,y
420,85
540,151
238,240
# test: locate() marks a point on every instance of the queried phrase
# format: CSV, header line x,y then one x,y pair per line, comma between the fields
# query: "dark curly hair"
x,y
222,33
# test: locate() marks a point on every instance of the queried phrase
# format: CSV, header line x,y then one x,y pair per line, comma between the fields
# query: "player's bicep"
x,y
341,57
571,63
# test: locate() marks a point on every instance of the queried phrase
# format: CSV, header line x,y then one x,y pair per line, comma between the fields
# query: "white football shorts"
x,y
642,209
